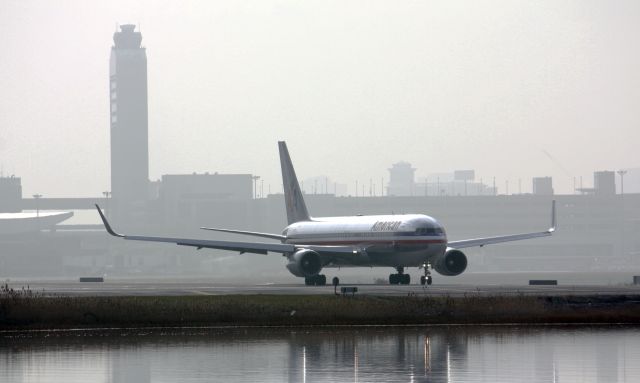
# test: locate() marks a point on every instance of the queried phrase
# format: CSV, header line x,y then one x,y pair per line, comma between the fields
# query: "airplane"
x,y
311,244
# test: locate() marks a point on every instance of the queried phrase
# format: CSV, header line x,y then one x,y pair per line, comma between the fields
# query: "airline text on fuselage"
x,y
386,225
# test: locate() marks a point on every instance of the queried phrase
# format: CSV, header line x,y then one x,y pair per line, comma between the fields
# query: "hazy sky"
x,y
353,86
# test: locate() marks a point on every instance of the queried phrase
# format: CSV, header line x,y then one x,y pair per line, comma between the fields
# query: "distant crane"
x,y
556,162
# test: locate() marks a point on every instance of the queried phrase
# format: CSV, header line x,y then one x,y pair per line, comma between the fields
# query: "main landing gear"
x,y
400,278
426,278
316,280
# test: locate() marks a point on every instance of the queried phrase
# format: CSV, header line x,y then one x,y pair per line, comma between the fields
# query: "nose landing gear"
x,y
426,278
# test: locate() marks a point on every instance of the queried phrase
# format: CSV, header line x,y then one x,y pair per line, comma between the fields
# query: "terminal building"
x,y
595,233
604,183
10,194
542,186
402,183
205,199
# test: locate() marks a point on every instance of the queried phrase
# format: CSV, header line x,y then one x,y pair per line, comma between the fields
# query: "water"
x,y
383,354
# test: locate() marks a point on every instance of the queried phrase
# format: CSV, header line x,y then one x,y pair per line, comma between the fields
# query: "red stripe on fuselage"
x,y
353,242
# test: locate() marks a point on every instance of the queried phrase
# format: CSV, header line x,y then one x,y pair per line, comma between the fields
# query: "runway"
x,y
183,288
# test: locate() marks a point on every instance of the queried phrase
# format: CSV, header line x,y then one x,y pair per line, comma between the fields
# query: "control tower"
x,y
129,121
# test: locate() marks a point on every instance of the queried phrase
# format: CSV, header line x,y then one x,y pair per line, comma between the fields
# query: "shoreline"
x,y
230,328
33,312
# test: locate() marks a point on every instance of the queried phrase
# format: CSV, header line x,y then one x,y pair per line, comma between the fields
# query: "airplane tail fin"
x,y
296,208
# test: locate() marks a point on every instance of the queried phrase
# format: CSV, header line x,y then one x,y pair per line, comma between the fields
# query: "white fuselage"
x,y
386,240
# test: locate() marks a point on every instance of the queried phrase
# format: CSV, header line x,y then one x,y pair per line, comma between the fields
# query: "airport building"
x,y
10,194
595,232
402,183
401,179
604,183
129,123
458,183
631,180
193,199
542,186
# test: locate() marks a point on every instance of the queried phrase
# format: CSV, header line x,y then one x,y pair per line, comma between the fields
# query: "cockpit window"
x,y
433,231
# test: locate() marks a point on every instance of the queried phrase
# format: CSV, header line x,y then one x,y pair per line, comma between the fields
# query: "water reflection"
x,y
433,354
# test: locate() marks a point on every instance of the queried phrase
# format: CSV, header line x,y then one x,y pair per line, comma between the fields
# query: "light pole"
x,y
107,212
106,195
37,198
255,186
519,185
623,248
622,173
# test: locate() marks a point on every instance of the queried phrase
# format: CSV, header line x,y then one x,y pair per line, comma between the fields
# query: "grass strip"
x,y
23,311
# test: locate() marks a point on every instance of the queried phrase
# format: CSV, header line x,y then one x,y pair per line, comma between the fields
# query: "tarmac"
x,y
184,288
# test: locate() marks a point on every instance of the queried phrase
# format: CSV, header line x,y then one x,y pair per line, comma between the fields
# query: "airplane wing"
x,y
252,233
507,238
242,247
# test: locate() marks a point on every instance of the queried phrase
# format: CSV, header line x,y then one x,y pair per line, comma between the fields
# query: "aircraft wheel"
x,y
405,279
393,279
423,280
429,280
316,280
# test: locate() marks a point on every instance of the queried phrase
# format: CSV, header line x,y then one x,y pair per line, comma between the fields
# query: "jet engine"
x,y
452,262
304,263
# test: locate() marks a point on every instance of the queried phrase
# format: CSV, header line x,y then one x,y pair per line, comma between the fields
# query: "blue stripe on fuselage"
x,y
366,234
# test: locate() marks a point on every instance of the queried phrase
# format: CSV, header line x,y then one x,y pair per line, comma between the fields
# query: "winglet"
x,y
106,224
553,217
